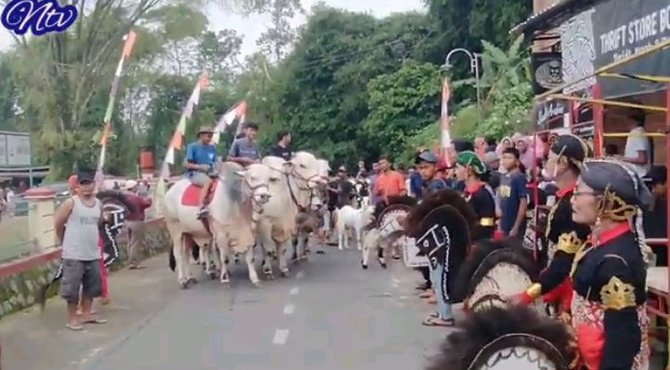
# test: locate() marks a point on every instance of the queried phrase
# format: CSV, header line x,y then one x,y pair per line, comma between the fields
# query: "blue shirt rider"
x,y
244,151
200,165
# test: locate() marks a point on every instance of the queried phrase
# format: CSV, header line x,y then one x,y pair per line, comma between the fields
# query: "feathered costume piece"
x,y
115,208
483,257
442,225
513,338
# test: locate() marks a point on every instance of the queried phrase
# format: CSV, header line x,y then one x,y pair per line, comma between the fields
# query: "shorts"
x,y
84,274
199,179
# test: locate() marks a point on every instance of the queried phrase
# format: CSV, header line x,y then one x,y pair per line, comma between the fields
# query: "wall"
x,y
21,279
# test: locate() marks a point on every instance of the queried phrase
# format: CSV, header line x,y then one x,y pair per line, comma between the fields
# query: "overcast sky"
x,y
251,27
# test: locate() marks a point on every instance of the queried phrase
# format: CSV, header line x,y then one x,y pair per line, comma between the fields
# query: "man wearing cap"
x,y
469,169
200,161
135,222
77,228
244,151
427,165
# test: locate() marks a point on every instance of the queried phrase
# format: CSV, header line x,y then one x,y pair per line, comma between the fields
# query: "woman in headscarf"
x,y
609,273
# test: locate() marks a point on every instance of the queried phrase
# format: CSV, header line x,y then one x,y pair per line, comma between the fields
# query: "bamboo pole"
x,y
606,68
647,78
628,134
607,102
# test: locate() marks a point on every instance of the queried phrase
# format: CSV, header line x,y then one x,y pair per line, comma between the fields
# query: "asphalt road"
x,y
329,314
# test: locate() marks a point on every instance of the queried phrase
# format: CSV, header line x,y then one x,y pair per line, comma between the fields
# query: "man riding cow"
x,y
200,161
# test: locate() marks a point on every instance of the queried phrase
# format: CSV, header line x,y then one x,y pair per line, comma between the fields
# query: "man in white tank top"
x,y
76,222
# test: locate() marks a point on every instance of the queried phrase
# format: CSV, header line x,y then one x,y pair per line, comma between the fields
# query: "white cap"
x,y
130,184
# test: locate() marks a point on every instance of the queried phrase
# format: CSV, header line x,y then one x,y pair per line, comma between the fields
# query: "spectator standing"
x,y
135,222
513,196
389,182
282,149
374,199
638,150
655,217
77,228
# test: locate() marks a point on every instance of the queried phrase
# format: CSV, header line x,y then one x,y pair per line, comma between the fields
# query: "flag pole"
x,y
128,45
445,123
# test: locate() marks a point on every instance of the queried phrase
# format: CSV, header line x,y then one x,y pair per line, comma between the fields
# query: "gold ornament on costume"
x,y
617,295
569,243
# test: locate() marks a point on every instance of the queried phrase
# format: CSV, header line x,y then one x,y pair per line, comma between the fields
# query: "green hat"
x,y
470,159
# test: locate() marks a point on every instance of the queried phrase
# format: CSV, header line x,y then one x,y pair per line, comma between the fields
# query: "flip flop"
x,y
95,321
433,315
74,327
426,294
432,321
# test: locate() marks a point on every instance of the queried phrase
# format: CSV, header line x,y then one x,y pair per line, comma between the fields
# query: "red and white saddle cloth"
x,y
587,321
191,196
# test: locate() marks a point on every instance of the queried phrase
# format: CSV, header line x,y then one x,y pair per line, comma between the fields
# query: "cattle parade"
x,y
345,195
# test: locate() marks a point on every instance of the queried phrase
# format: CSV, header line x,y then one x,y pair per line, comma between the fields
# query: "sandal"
x,y
95,321
426,294
433,315
433,321
74,326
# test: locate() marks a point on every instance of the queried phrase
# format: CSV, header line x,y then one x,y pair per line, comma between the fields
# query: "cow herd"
x,y
267,205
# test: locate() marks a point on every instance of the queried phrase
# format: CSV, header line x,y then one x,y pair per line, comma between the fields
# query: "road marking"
x,y
294,291
289,309
300,275
281,335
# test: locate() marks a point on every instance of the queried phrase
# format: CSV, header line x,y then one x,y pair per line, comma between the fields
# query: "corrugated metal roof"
x,y
552,16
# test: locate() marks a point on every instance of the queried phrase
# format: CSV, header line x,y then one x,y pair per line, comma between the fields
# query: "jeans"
x,y
443,307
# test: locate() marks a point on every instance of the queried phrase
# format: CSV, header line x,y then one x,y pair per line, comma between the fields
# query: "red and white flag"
x,y
238,112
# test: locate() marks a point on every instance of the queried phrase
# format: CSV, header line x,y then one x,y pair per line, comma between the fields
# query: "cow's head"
x,y
306,169
257,179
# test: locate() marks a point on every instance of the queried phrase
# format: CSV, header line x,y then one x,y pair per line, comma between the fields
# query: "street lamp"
x,y
474,69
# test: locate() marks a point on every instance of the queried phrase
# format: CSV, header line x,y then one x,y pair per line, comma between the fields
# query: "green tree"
x,y
401,104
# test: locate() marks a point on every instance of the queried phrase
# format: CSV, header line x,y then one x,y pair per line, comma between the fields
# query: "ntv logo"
x,y
37,16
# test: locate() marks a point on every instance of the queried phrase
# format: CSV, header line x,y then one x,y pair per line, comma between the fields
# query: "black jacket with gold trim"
x,y
564,238
483,202
608,306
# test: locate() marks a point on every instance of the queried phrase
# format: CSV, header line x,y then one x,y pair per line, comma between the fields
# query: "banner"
x,y
547,71
549,114
623,28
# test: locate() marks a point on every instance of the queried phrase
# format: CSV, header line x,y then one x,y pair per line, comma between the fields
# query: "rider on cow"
x,y
244,151
469,169
564,235
200,161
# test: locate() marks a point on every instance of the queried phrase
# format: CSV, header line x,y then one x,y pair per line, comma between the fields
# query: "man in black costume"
x,y
564,236
470,169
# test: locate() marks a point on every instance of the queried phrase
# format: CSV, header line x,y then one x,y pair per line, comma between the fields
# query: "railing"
x,y
19,238
15,238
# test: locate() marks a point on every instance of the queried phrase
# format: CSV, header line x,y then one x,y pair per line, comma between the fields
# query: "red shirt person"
x,y
135,223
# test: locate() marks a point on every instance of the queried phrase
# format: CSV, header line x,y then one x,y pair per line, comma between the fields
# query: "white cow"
x,y
237,202
293,185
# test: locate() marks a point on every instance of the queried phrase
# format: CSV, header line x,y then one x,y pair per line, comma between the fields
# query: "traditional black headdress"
x,y
622,190
572,148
